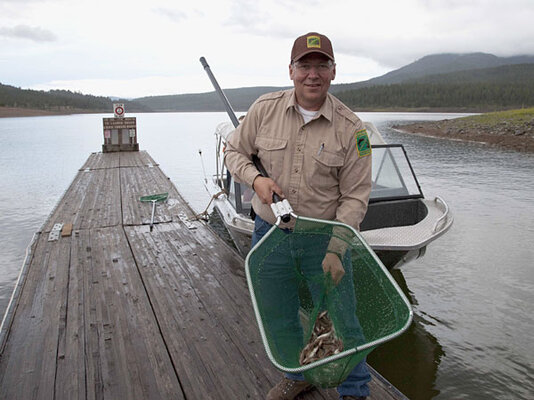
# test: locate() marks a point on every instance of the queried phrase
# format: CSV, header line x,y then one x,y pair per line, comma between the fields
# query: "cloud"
x,y
153,47
173,15
270,19
35,34
23,1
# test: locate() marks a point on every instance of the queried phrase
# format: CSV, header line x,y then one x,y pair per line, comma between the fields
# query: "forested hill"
x,y
468,82
60,100
511,74
475,81
439,64
507,86
240,99
489,89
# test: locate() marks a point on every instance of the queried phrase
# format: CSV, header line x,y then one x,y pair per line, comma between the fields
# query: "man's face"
x,y
311,76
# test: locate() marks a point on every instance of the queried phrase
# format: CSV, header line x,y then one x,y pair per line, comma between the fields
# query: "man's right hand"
x,y
265,187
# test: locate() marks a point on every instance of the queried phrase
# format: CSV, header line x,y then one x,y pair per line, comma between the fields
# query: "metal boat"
x,y
399,224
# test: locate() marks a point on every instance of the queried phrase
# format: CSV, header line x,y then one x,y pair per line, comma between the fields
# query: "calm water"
x,y
472,292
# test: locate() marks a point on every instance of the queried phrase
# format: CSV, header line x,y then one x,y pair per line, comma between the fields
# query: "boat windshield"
x,y
393,176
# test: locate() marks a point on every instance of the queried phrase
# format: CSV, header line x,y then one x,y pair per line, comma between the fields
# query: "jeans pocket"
x,y
261,227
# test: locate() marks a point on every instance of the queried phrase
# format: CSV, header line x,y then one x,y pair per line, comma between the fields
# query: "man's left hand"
x,y
332,264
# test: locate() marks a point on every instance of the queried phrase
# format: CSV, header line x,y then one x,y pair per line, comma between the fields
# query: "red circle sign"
x,y
119,110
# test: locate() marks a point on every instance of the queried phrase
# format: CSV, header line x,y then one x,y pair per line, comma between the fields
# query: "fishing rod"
x,y
220,92
233,118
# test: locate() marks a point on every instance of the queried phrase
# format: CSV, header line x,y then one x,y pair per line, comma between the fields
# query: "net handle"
x,y
286,214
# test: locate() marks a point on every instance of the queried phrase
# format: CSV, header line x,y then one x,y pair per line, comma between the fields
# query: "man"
x,y
317,155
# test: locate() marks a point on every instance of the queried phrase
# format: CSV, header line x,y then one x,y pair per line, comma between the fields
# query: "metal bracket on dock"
x,y
55,232
186,221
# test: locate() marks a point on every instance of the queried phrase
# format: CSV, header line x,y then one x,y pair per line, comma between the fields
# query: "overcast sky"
x,y
139,48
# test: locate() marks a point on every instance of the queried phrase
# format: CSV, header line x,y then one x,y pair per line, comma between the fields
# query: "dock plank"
x,y
92,200
148,181
100,161
127,355
136,159
145,181
71,363
191,298
28,363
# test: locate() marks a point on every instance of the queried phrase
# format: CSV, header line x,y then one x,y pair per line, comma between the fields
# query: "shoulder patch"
x,y
363,145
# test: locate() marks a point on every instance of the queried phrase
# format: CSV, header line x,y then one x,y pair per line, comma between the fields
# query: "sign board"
x,y
118,110
122,123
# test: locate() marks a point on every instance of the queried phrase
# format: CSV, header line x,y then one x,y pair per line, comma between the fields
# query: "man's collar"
x,y
326,109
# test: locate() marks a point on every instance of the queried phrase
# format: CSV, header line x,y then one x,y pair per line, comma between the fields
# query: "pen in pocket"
x,y
320,149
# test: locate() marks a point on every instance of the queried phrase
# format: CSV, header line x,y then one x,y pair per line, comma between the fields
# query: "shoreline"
x,y
500,129
509,143
18,112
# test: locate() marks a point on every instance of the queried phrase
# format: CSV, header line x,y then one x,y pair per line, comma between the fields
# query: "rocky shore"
x,y
507,129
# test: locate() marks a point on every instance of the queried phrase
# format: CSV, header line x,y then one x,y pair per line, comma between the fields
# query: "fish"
x,y
323,341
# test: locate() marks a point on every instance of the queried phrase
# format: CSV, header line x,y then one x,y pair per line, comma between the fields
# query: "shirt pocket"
x,y
271,153
324,173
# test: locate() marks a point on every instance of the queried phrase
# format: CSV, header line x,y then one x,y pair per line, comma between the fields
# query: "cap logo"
x,y
313,42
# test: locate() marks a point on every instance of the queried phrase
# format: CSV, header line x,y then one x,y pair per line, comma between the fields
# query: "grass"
x,y
512,117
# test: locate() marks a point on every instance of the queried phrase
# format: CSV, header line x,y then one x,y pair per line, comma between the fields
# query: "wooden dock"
x,y
114,311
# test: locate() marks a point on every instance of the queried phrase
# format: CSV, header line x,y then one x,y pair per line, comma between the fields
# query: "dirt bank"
x,y
6,112
15,112
508,129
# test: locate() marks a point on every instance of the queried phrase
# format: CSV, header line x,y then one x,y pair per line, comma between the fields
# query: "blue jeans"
x,y
356,382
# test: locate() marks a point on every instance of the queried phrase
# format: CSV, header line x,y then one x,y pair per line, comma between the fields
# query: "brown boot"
x,y
288,389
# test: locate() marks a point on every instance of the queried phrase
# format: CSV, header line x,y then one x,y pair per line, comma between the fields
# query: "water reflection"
x,y
410,362
215,222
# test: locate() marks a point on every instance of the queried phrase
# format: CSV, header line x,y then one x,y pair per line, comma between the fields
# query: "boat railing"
x,y
443,217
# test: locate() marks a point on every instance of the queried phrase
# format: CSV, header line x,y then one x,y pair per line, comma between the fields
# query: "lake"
x,y
472,292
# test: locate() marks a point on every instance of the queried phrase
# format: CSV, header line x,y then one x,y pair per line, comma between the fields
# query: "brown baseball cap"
x,y
312,42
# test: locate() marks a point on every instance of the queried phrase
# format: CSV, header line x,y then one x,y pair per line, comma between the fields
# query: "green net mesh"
x,y
309,324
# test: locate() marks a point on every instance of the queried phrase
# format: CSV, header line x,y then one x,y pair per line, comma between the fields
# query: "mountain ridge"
x,y
479,71
480,68
442,63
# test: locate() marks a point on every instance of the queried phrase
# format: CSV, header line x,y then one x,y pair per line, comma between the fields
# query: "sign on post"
x,y
118,110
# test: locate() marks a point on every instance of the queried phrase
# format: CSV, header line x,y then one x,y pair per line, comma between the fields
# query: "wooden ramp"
x,y
114,311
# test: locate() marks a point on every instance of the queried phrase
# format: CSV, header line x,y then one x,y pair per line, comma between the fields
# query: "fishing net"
x,y
308,324
154,197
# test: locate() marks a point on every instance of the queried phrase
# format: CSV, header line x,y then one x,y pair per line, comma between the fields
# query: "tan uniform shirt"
x,y
319,166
